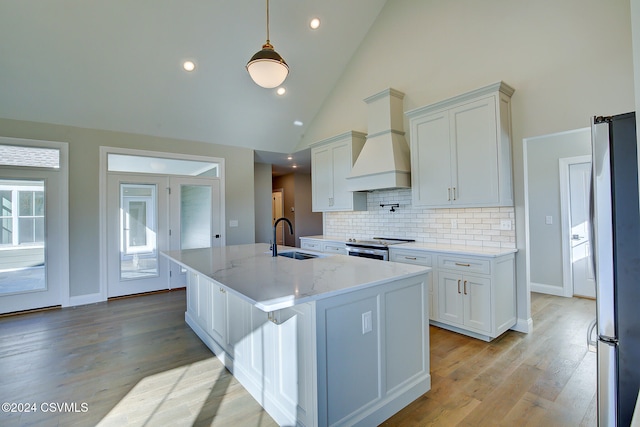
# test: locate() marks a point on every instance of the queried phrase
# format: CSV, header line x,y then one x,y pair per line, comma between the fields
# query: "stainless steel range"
x,y
377,248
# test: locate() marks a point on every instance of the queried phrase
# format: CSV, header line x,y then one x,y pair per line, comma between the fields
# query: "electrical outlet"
x,y
454,223
548,220
505,224
367,325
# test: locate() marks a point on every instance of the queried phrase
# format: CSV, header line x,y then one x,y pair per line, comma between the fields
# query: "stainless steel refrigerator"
x,y
615,220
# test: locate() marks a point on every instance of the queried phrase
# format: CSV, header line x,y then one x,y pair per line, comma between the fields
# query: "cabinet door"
x,y
450,298
431,160
477,304
292,358
321,178
218,316
203,289
342,163
474,151
237,314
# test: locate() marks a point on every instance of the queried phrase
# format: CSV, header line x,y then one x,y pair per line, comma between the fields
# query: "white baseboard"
x,y
85,299
523,325
547,289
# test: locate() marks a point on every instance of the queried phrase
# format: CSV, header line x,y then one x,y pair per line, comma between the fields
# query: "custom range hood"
x,y
384,162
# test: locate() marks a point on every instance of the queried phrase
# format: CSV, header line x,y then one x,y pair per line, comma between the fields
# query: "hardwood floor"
x,y
135,362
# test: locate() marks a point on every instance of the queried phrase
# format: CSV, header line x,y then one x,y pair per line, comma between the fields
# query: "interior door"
x,y
277,209
579,183
137,231
195,219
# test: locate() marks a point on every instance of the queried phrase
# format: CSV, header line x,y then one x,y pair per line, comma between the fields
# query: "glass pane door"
x,y
22,236
138,231
195,218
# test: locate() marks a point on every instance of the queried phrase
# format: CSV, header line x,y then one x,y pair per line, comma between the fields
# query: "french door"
x,y
33,260
148,214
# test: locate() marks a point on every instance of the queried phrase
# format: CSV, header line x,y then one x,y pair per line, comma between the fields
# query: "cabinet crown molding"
x,y
345,135
501,87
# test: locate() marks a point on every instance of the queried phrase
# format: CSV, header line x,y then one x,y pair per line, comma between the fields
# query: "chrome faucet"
x,y
274,245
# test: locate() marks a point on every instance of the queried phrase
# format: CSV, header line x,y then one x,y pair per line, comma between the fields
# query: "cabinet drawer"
x,y
310,244
464,264
336,248
411,257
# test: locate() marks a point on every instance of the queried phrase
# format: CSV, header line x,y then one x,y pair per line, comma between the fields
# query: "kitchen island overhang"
x,y
333,340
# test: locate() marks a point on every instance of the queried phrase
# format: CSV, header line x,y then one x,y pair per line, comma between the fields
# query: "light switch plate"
x,y
233,223
548,220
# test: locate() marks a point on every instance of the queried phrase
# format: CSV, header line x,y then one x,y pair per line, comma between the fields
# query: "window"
x,y
21,213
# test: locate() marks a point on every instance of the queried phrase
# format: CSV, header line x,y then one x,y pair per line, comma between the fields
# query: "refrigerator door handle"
x,y
602,223
592,344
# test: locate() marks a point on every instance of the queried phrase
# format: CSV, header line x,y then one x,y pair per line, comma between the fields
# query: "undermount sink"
x,y
297,255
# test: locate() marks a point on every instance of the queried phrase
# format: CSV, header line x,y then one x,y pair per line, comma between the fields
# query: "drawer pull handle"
x,y
461,264
465,287
458,286
411,257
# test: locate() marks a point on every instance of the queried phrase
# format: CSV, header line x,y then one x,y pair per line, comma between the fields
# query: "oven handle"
x,y
373,253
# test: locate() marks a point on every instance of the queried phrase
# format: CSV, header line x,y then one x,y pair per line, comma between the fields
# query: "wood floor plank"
x,y
136,363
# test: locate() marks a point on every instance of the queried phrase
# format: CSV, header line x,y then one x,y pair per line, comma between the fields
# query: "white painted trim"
x,y
104,152
565,215
85,299
543,288
524,325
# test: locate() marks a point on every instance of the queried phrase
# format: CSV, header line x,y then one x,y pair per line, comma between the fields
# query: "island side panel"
x,y
359,380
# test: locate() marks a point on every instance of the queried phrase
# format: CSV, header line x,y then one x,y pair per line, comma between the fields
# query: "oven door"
x,y
381,254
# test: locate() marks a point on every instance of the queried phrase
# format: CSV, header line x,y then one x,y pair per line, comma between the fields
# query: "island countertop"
x,y
273,283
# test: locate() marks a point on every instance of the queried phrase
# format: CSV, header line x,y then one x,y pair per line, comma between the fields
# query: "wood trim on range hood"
x,y
385,161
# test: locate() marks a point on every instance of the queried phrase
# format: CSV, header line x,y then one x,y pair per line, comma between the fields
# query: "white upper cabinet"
x,y
461,150
331,162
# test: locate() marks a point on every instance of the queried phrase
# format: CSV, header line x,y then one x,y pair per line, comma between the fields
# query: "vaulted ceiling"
x,y
117,65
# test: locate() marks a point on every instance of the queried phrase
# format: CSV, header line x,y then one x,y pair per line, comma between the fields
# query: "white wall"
x,y
566,59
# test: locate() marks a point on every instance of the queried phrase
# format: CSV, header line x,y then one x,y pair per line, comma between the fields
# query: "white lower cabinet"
x,y
408,256
269,353
321,363
321,245
474,295
465,301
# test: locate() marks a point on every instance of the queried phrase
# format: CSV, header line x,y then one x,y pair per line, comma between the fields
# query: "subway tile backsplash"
x,y
454,226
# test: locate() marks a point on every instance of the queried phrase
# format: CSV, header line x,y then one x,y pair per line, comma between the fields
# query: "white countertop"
x,y
435,247
269,283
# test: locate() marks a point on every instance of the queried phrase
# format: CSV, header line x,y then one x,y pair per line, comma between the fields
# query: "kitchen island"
x,y
331,340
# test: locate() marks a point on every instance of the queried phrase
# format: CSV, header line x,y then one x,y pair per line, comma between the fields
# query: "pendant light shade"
x,y
266,67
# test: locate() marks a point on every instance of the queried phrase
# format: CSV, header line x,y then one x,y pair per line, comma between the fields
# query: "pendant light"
x,y
266,67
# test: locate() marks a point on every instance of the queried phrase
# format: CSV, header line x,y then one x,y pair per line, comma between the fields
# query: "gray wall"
x,y
545,49
308,223
262,186
545,240
84,179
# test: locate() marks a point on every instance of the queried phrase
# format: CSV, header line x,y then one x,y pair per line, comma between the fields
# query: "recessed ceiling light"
x,y
314,24
295,166
281,91
298,123
289,157
189,65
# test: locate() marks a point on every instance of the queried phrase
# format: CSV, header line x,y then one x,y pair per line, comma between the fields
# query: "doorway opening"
x,y
156,202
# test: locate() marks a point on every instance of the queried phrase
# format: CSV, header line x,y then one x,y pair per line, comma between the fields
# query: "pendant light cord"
x,y
268,41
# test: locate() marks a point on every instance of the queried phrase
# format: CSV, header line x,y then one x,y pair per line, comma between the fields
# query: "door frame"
x,y
102,295
565,214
